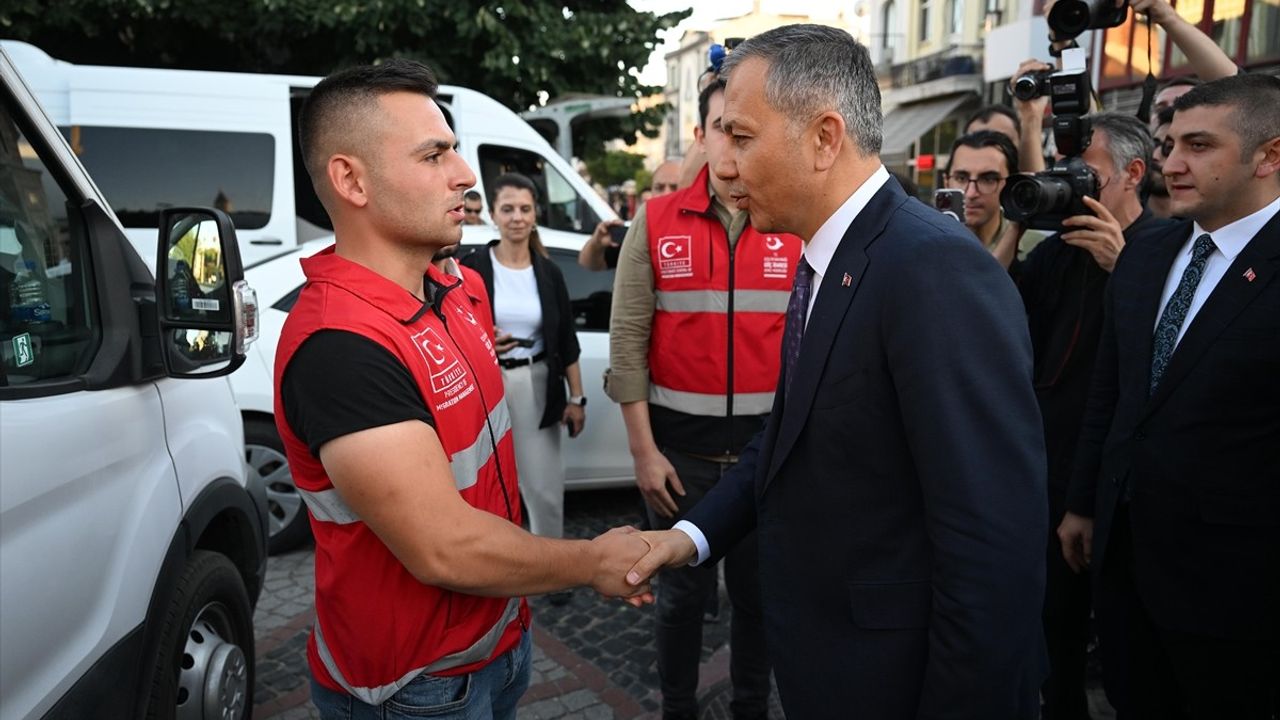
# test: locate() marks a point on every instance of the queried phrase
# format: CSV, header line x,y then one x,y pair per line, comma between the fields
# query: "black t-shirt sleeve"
x,y
338,383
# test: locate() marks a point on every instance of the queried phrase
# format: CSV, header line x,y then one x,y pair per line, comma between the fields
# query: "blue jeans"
x,y
490,693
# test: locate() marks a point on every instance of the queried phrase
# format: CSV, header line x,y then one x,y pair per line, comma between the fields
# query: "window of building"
x,y
1247,30
924,19
994,12
887,16
560,207
1116,44
1264,31
48,317
1227,21
955,17
142,170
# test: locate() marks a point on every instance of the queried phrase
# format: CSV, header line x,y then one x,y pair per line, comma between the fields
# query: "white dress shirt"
x,y
822,247
818,252
1228,241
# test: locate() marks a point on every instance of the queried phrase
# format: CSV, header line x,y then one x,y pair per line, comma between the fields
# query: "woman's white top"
x,y
516,307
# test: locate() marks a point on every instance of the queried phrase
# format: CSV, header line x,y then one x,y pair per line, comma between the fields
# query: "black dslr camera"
x,y
1069,18
1032,85
1043,200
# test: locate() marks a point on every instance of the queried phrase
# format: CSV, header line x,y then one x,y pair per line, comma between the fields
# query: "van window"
x,y
136,168
560,207
47,316
590,292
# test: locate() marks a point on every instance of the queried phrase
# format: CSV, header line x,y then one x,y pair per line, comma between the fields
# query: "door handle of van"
x,y
267,241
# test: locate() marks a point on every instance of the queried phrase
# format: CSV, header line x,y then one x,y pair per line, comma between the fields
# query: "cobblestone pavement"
x,y
592,659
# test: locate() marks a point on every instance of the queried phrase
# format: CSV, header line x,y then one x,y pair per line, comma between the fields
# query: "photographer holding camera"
x,y
980,163
1173,500
1067,19
1062,283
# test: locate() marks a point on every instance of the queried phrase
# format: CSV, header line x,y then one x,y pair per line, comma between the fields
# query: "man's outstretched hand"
x,y
616,552
667,548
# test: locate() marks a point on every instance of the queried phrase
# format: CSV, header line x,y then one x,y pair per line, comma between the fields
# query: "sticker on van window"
x,y
23,354
205,304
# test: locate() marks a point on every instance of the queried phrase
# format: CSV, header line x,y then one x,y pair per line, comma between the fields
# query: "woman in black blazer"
x,y
536,345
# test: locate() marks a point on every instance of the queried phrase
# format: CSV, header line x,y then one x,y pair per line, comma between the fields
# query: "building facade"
x,y
687,63
1247,30
938,60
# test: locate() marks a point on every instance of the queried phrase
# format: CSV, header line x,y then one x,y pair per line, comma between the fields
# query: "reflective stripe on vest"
x,y
717,301
478,651
328,506
710,403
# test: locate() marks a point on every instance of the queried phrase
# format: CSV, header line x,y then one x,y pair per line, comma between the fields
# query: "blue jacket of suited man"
x,y
899,487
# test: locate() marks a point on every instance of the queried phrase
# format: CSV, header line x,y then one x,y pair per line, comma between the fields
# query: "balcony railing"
x,y
955,60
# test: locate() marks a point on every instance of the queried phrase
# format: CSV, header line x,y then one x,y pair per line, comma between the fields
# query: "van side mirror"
x,y
208,314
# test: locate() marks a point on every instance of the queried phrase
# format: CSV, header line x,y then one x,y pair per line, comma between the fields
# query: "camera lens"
x,y
1026,87
1021,197
1068,19
1026,196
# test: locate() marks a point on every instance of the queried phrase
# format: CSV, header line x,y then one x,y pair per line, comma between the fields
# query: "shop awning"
x,y
906,123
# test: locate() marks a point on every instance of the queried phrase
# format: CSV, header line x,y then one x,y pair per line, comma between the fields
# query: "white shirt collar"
x,y
1230,239
451,268
822,246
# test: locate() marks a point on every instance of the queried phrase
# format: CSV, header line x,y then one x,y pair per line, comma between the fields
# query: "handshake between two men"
x,y
627,558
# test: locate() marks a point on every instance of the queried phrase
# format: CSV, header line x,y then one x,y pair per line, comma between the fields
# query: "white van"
x,y
236,134
132,541
162,118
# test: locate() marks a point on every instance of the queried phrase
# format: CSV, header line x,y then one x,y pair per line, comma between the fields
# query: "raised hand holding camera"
x,y
1044,200
1100,234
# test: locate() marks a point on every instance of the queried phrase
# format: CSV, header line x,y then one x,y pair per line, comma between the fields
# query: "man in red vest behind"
x,y
699,307
390,404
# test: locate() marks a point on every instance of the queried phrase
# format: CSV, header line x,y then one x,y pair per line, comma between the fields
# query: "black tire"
x,y
287,523
208,633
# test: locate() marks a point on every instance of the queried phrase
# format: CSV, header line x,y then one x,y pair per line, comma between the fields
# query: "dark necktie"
x,y
1175,311
797,308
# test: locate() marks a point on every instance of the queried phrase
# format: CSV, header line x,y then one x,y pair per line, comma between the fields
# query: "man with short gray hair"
x,y
898,489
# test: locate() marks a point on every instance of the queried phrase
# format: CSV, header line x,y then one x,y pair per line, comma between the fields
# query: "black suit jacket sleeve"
x,y
957,346
727,513
1104,390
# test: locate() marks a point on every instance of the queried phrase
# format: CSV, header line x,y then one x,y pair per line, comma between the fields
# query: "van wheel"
x,y
204,668
287,519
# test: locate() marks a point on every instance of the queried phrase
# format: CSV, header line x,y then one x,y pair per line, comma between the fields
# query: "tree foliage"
x,y
614,167
516,51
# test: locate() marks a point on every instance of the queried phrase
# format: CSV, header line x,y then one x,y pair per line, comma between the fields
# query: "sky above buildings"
x,y
705,12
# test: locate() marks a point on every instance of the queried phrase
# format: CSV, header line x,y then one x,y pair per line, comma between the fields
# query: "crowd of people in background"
x,y
898,431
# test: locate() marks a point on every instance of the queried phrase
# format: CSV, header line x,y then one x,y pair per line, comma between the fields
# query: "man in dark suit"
x,y
1177,479
898,490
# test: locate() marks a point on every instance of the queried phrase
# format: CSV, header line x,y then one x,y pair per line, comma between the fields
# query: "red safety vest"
x,y
474,285
377,627
717,311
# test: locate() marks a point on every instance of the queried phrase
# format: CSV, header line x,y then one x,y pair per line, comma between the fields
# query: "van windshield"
x,y
143,170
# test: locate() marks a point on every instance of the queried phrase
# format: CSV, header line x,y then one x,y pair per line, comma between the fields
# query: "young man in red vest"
x,y
698,311
390,404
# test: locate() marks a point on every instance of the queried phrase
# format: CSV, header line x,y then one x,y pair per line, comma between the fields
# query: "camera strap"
x,y
1148,85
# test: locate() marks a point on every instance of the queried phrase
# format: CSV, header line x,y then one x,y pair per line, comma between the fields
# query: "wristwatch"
x,y
579,400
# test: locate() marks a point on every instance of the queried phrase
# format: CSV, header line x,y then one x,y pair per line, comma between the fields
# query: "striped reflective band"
x,y
717,301
328,505
466,463
710,404
479,650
